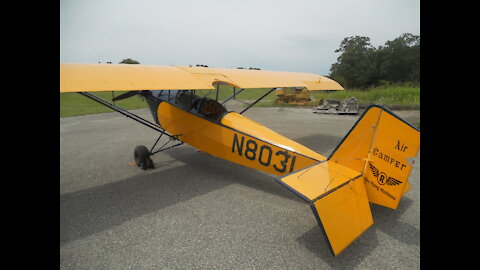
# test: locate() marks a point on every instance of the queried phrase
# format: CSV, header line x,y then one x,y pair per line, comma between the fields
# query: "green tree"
x,y
360,65
129,61
401,59
355,65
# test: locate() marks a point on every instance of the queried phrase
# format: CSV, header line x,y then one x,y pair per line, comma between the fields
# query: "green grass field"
x,y
73,104
393,95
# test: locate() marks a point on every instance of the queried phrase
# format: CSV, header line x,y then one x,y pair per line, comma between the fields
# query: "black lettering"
x,y
283,163
292,165
388,159
266,164
398,145
402,147
251,150
239,145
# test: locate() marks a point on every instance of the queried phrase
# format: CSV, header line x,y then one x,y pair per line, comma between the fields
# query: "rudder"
x,y
382,147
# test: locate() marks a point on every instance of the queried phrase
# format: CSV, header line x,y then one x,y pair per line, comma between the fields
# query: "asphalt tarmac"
x,y
196,211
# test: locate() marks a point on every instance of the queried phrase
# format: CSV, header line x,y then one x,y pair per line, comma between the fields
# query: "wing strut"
x,y
124,112
251,105
163,148
232,96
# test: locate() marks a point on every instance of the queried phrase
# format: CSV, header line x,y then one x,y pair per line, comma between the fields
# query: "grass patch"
x,y
73,104
392,95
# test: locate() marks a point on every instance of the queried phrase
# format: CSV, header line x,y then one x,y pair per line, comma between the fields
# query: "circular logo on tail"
x,y
382,177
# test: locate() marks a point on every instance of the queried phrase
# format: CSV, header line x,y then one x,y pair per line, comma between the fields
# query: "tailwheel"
x,y
142,157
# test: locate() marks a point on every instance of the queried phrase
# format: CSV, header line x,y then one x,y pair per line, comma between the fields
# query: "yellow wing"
x,y
123,77
76,77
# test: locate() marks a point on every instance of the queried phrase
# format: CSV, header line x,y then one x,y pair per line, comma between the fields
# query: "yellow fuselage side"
x,y
237,139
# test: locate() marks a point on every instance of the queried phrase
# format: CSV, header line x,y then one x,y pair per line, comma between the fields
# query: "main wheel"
x,y
142,157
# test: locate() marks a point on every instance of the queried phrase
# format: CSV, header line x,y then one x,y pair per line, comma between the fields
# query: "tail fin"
x,y
382,147
371,164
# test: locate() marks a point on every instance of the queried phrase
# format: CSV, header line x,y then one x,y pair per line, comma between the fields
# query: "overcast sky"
x,y
293,35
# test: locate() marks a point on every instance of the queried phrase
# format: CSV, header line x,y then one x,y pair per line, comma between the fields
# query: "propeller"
x,y
126,95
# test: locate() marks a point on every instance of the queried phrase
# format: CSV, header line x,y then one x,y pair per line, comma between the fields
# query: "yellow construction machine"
x,y
293,96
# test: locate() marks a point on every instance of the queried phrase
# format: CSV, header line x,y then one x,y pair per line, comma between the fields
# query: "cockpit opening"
x,y
202,106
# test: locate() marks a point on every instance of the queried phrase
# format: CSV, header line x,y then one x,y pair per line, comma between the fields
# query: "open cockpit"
x,y
189,101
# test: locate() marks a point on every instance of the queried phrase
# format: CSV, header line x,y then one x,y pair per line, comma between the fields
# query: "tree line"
x,y
360,65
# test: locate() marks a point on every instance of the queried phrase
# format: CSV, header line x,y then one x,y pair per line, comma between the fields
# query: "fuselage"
x,y
208,126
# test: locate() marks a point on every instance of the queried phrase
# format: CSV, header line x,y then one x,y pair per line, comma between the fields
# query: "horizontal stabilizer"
x,y
316,180
343,214
338,199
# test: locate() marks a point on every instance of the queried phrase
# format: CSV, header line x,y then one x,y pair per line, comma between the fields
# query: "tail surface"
x,y
383,148
371,164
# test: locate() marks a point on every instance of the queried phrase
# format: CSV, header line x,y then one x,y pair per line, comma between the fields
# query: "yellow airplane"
x,y
370,165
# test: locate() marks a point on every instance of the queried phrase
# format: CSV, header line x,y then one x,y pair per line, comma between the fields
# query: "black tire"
x,y
149,164
141,156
